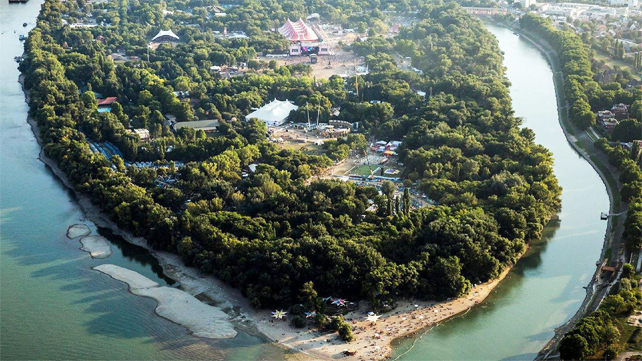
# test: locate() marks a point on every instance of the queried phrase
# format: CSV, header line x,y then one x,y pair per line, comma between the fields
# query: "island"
x,y
335,172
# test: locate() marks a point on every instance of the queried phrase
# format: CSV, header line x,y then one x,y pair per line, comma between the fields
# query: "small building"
x,y
608,124
208,126
106,102
104,105
621,111
143,134
274,113
325,50
605,114
165,36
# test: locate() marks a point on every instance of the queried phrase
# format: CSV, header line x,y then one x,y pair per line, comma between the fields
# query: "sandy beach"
x,y
371,342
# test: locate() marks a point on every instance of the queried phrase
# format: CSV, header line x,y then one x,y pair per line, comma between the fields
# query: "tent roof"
x,y
298,31
166,33
276,111
198,124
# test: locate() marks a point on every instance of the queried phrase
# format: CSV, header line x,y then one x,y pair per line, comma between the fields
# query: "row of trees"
x,y
583,94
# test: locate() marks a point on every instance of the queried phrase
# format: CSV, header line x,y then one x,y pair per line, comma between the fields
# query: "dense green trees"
x,y
272,231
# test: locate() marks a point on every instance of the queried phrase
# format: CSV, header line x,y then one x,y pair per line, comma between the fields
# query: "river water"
x,y
545,288
53,306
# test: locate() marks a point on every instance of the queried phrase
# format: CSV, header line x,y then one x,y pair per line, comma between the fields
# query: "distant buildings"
x,y
621,111
274,113
583,11
629,3
527,3
608,119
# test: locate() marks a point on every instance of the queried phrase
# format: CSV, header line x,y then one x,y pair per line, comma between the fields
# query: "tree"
x,y
388,188
308,295
345,332
573,347
626,131
297,321
406,201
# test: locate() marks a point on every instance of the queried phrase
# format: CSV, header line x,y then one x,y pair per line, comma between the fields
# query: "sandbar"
x,y
77,230
175,305
97,246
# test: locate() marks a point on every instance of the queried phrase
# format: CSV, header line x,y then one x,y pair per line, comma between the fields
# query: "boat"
x,y
22,37
18,1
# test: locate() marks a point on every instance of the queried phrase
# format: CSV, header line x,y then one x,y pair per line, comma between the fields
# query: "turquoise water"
x,y
53,306
545,287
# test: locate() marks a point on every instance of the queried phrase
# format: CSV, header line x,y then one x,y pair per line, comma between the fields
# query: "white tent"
x,y
274,113
165,35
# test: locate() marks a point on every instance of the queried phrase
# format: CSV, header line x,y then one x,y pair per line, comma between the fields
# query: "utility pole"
x,y
356,79
307,109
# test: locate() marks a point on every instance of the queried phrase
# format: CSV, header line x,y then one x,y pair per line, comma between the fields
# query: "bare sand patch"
x,y
182,308
78,230
97,246
133,279
175,305
372,340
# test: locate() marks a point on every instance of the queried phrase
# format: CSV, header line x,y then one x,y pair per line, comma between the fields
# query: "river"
x,y
53,306
545,288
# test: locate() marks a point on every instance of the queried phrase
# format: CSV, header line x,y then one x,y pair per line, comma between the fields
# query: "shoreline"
x,y
243,316
594,296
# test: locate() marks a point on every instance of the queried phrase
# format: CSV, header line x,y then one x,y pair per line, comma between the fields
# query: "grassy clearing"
x,y
613,62
309,148
364,170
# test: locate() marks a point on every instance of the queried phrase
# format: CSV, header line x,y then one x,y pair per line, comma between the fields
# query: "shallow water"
x,y
53,305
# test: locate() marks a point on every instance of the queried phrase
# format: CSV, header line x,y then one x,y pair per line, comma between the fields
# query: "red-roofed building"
x,y
298,32
106,101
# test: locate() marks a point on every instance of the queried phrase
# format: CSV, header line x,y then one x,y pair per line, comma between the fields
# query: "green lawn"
x,y
612,62
364,170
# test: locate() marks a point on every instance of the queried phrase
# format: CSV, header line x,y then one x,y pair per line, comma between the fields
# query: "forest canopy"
x,y
276,230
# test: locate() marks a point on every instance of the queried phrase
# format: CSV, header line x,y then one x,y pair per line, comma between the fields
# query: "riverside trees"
x,y
272,233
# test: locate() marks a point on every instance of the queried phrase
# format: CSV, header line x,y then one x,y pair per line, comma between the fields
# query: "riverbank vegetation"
x,y
584,95
276,232
600,334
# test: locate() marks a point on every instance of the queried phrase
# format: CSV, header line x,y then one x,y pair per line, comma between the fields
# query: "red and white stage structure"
x,y
303,39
